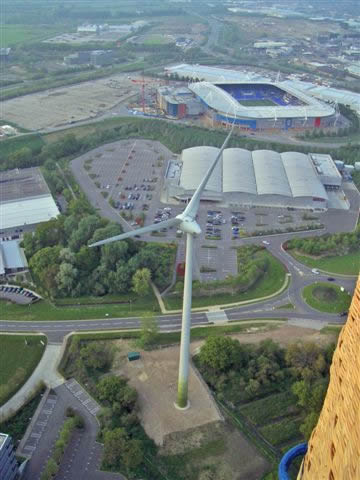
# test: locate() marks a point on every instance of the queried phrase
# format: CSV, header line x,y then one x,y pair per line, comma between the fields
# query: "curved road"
x,y
265,309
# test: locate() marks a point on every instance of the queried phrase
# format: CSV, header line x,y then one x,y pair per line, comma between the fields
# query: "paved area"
x,y
39,426
46,371
131,174
81,394
82,458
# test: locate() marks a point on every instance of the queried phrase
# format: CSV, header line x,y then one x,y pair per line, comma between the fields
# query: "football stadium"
x,y
262,106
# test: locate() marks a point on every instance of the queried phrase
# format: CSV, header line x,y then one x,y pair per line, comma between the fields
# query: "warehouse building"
x,y
258,178
25,201
12,258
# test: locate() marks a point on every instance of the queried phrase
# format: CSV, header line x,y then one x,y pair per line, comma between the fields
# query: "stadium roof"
x,y
28,211
214,74
219,100
261,172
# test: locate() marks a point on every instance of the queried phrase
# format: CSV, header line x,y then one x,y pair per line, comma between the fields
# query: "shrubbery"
x,y
240,373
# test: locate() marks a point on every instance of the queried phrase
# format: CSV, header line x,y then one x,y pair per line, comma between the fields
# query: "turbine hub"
x,y
189,225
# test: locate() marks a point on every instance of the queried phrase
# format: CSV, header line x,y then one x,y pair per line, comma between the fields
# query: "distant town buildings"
x,y
95,57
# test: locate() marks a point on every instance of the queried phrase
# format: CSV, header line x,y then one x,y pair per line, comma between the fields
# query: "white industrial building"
x,y
258,178
25,201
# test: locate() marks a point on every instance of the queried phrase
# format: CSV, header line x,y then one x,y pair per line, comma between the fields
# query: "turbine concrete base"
x,y
187,406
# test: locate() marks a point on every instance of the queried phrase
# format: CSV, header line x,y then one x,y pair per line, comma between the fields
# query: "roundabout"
x,y
326,297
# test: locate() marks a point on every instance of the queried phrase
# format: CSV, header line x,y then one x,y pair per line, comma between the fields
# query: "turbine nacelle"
x,y
188,225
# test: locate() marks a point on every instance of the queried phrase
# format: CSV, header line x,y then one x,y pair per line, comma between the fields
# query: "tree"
x,y
219,353
114,390
141,282
120,449
66,278
305,359
96,355
149,330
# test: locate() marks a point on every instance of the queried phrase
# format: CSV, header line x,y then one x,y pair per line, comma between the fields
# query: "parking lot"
x,y
18,295
126,179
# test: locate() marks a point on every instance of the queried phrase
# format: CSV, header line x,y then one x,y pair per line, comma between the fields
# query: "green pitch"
x,y
258,103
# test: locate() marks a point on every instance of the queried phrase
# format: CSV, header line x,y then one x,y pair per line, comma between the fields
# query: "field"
x,y
45,310
155,39
16,34
326,297
270,283
18,359
344,264
70,104
258,103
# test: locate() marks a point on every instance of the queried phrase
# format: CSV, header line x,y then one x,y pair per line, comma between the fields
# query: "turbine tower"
x,y
185,221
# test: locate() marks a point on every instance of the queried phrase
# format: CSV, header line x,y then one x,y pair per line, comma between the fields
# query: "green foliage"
x,y
149,332
281,432
96,355
141,281
16,426
328,245
64,266
119,450
114,391
219,353
326,297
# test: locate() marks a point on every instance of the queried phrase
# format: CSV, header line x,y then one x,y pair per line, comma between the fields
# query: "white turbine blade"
x,y
151,228
192,208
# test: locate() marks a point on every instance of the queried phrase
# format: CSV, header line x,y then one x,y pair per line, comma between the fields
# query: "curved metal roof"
x,y
271,178
238,171
196,162
301,175
221,101
261,172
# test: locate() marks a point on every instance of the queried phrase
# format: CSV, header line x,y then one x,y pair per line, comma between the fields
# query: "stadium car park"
x,y
133,174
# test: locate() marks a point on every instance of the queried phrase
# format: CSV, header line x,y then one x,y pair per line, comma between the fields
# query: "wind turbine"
x,y
185,221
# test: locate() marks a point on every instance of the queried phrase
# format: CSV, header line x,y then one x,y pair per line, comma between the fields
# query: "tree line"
x,y
240,373
63,265
328,244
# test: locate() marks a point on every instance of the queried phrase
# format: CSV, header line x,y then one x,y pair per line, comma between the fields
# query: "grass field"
x,y
18,360
344,264
45,310
270,283
258,103
156,39
16,34
326,297
260,412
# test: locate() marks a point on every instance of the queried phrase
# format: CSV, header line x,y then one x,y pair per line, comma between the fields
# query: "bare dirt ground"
x,y
155,379
63,105
213,449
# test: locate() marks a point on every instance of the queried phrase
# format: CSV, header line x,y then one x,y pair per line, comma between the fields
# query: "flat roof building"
x,y
258,178
8,464
12,258
25,200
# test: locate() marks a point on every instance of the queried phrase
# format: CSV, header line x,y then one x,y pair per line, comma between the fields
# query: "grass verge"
x,y
269,283
46,311
16,426
344,264
19,356
326,297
